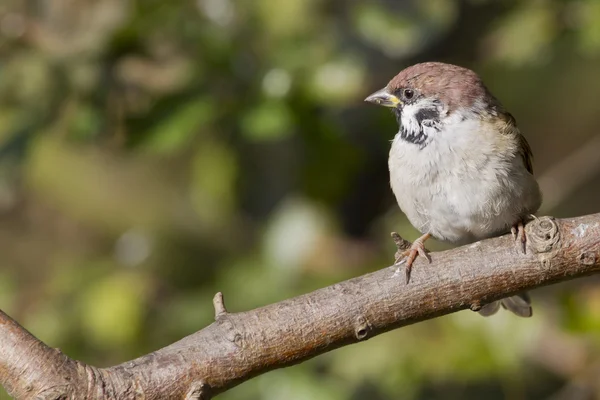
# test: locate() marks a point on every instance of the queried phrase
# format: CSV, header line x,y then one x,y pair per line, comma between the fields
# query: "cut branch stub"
x,y
219,305
401,243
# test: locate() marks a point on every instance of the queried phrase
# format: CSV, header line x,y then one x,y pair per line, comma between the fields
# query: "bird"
x,y
460,168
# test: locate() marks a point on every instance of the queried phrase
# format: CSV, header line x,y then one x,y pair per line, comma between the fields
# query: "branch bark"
x,y
239,346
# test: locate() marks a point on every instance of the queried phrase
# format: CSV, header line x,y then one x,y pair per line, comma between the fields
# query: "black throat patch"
x,y
427,119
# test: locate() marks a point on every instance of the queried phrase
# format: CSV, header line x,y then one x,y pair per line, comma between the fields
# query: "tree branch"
x,y
239,346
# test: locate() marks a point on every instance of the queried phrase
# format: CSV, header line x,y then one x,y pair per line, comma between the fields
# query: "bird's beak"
x,y
383,98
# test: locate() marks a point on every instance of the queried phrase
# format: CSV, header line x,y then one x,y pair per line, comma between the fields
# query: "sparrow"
x,y
459,167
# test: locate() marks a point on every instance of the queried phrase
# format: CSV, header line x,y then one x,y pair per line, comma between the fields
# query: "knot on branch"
x,y
587,258
401,243
198,391
361,328
543,234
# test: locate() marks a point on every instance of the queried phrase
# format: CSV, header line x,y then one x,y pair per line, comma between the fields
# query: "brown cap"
x,y
455,86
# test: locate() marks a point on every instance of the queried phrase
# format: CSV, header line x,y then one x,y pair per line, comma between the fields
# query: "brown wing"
x,y
526,153
524,148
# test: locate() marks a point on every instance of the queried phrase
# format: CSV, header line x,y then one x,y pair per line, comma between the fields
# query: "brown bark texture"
x,y
239,346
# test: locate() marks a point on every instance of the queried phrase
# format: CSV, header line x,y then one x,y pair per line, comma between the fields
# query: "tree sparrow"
x,y
459,167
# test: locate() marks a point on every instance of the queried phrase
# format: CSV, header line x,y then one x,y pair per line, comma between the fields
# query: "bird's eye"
x,y
408,94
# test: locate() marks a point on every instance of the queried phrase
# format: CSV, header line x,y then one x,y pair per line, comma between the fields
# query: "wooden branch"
x,y
239,346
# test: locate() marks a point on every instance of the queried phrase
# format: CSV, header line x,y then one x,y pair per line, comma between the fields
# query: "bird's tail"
x,y
519,304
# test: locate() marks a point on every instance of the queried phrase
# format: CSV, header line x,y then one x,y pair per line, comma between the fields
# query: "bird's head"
x,y
428,98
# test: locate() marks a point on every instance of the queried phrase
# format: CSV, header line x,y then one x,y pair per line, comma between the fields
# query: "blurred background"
x,y
153,153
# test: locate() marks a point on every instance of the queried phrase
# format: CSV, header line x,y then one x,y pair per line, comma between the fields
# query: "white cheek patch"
x,y
419,121
410,124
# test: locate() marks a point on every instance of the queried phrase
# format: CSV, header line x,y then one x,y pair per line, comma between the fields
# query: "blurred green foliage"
x,y
153,153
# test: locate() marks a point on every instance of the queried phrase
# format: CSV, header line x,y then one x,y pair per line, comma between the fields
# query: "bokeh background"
x,y
155,152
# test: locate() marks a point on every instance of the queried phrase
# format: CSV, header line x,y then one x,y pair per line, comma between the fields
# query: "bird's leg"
x,y
407,252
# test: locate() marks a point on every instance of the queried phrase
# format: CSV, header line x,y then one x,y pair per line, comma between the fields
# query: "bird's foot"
x,y
518,232
408,252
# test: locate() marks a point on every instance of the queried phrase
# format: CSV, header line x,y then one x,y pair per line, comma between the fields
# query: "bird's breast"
x,y
461,188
